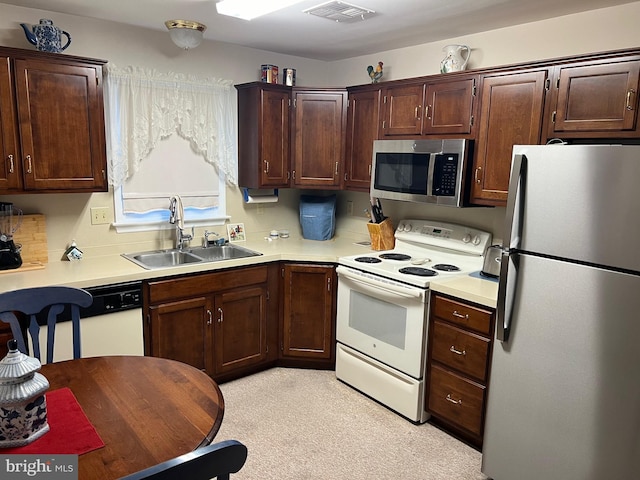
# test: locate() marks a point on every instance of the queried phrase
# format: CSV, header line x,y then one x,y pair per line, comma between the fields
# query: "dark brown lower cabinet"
x,y
308,315
459,353
240,328
237,321
222,323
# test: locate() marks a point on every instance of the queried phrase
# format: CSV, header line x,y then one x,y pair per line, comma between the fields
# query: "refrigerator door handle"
x,y
515,202
508,279
506,293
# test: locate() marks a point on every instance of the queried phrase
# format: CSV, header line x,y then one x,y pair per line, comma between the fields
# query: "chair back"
x,y
218,460
52,300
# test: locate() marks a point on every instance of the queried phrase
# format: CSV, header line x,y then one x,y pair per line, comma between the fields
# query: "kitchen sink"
x,y
224,252
174,257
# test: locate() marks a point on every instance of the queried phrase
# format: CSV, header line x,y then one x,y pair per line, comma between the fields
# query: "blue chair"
x,y
51,301
218,460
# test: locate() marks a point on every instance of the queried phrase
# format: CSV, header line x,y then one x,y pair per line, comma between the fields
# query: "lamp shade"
x,y
185,33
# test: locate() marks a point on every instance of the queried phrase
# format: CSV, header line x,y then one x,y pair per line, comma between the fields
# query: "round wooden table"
x,y
145,409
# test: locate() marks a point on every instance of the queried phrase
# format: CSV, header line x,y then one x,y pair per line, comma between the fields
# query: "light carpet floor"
x,y
302,424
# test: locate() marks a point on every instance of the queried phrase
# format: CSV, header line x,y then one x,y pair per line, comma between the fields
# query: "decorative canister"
x,y
270,73
23,407
289,77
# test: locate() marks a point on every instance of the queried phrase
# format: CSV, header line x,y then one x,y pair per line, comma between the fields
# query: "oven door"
x,y
383,319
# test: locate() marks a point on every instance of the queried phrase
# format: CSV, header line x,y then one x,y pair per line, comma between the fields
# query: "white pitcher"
x,y
454,61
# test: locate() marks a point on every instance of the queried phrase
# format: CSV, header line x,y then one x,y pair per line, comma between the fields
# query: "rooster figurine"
x,y
375,73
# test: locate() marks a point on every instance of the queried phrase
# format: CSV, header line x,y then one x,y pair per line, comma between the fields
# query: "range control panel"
x,y
444,235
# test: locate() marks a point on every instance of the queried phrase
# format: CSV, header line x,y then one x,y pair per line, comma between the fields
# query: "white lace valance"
x,y
145,106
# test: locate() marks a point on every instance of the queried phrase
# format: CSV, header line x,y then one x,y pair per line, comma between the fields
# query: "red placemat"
x,y
70,431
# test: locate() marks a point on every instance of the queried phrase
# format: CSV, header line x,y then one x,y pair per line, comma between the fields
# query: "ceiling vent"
x,y
341,12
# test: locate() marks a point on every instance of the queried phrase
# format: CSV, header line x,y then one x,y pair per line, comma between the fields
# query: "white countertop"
x,y
110,269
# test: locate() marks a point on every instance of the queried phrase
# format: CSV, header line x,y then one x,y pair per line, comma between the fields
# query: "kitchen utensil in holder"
x,y
381,234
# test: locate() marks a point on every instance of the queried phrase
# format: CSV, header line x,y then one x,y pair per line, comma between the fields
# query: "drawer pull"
x,y
452,349
460,315
450,399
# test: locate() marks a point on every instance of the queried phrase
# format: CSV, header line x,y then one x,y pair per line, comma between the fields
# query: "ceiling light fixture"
x,y
185,33
250,9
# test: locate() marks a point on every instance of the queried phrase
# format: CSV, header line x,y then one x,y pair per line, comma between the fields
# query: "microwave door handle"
x,y
430,169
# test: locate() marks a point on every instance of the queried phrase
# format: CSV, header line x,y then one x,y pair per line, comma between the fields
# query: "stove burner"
x,y
444,267
368,260
419,271
395,256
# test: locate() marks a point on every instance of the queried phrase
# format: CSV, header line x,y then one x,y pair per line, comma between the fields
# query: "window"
x,y
172,168
169,134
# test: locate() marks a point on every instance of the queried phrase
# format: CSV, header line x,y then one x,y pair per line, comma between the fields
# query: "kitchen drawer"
x,y
461,350
456,399
464,315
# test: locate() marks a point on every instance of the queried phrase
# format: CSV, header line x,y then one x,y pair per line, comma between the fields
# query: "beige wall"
x,y
68,215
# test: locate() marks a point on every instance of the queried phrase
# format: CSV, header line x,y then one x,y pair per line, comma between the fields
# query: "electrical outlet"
x,y
99,215
349,207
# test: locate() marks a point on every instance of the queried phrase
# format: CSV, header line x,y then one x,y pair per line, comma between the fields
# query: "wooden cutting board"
x,y
32,234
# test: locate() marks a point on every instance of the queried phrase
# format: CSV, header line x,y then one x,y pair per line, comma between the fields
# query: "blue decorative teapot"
x,y
46,36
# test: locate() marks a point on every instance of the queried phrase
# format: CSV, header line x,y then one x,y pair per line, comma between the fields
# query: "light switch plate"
x,y
100,215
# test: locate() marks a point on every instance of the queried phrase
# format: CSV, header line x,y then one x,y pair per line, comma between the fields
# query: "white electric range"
x,y
383,306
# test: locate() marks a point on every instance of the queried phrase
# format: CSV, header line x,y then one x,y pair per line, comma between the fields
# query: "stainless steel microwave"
x,y
425,171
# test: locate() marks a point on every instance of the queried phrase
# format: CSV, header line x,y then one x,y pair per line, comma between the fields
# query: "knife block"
x,y
382,235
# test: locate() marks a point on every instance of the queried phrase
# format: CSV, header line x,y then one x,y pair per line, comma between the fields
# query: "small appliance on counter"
x,y
318,217
492,261
10,220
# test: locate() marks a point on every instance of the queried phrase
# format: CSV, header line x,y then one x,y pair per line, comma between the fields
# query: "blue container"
x,y
318,217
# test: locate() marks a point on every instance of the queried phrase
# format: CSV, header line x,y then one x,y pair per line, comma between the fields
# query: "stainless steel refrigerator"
x,y
564,394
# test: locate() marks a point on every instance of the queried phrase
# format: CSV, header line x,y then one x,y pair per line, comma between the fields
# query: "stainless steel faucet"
x,y
218,239
176,216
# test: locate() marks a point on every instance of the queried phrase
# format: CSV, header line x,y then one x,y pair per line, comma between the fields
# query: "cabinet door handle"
x,y
630,94
478,176
452,400
29,166
209,317
428,112
369,169
337,163
453,349
10,158
417,112
460,315
266,167
221,319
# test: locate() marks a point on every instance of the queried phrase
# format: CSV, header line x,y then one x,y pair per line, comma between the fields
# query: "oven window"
x,y
377,319
402,172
